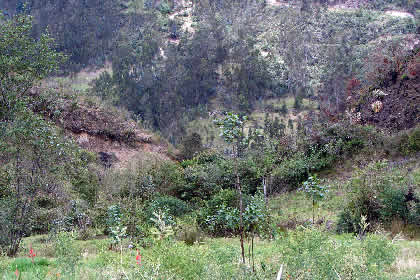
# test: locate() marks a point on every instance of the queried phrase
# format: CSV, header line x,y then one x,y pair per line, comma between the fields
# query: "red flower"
x,y
138,258
32,254
17,273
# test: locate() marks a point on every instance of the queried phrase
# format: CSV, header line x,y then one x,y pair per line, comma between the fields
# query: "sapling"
x,y
314,191
232,131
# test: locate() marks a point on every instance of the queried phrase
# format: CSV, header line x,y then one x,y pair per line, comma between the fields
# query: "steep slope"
x,y
100,128
393,102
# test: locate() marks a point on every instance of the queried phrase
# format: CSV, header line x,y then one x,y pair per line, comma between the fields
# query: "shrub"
x,y
220,217
290,173
67,253
171,206
165,7
188,231
382,194
191,145
202,181
168,177
410,142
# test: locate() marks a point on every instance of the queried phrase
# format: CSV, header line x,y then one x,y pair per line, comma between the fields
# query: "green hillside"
x,y
155,139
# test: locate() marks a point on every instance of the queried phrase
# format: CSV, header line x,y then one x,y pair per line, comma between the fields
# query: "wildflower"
x,y
17,273
138,258
32,254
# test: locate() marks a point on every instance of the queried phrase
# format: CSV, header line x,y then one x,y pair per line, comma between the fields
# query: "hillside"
x,y
187,140
394,101
96,126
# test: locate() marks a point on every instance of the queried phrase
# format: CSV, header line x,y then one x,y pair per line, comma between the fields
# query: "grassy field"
x,y
212,259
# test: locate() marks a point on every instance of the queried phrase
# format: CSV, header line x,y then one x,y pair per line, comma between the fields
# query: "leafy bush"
x,y
290,173
314,191
220,217
382,194
188,231
171,206
67,253
202,181
410,142
168,177
165,7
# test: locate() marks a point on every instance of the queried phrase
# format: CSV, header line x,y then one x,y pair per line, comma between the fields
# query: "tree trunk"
x,y
241,210
241,213
265,191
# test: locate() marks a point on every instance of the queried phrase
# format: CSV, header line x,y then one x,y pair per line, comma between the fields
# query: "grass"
x,y
215,258
297,207
408,262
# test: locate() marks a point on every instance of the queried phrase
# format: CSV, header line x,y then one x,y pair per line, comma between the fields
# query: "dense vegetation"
x,y
296,127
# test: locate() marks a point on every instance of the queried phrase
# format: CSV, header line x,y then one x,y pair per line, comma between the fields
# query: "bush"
x,y
165,7
202,181
220,217
290,173
168,177
410,142
382,194
171,206
67,254
188,231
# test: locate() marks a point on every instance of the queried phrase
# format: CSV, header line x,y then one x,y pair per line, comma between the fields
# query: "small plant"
x,y
138,258
162,230
116,230
32,255
363,226
314,191
232,130
67,254
165,7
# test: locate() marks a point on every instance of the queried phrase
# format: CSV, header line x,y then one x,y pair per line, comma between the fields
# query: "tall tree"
x,y
30,149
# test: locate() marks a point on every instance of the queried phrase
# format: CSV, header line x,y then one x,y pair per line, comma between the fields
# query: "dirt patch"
x,y
117,154
399,101
102,129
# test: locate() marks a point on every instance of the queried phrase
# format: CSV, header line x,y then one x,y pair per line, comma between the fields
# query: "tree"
x,y
232,131
314,191
191,145
23,61
30,148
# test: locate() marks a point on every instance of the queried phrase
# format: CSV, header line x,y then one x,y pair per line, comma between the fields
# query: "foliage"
x,y
37,160
67,253
314,191
115,227
168,177
410,142
191,145
24,61
382,195
220,217
162,230
232,127
312,254
83,30
187,230
171,206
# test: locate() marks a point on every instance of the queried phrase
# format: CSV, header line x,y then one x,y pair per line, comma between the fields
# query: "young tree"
x,y
314,191
232,131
